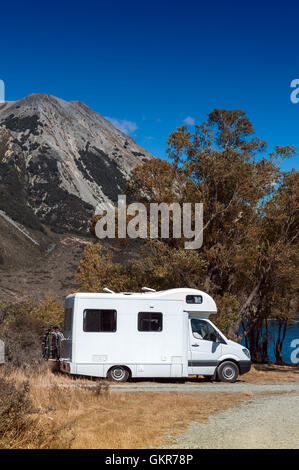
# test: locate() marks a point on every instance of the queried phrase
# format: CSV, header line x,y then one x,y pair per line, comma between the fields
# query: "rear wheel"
x,y
228,372
118,374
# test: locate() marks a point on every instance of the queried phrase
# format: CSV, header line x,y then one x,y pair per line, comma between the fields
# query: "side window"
x,y
68,319
99,320
203,330
194,299
150,321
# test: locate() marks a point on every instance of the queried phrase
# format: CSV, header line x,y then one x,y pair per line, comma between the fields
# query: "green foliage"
x,y
228,306
157,265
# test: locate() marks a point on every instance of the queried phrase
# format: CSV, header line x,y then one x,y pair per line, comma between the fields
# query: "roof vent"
x,y
109,291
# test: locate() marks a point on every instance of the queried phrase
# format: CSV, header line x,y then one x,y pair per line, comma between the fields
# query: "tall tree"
x,y
248,258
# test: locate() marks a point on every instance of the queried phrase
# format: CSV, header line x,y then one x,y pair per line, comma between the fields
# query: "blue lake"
x,y
290,350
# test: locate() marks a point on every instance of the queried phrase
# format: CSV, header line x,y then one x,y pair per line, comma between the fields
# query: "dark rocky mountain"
x,y
59,160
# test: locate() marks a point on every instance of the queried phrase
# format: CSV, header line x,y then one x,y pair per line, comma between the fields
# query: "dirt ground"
x,y
85,413
95,418
265,373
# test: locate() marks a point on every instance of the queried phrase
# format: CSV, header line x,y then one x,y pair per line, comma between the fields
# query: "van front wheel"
x,y
228,372
118,374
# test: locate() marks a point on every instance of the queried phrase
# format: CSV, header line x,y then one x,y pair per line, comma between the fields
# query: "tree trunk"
x,y
282,329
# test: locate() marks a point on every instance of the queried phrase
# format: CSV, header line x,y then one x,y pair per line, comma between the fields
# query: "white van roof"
x,y
207,303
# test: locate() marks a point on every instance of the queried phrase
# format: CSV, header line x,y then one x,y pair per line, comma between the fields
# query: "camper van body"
x,y
148,334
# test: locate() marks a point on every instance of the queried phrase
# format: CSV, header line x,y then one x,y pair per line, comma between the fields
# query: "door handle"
x,y
195,345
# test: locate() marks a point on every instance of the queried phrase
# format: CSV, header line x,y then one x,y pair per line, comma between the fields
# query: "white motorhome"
x,y
149,334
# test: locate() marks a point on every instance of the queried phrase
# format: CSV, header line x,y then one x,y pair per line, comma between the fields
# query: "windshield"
x,y
201,329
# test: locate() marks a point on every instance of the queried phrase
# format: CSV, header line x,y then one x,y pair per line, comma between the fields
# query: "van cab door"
x,y
205,347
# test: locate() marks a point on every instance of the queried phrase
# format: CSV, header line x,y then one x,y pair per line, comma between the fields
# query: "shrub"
x,y
15,408
22,327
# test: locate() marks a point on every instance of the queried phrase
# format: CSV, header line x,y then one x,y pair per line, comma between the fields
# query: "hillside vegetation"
x,y
248,261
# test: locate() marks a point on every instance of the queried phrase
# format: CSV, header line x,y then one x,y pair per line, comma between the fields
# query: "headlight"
x,y
245,351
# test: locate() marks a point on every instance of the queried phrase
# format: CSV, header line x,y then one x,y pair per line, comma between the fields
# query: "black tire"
x,y
228,372
118,374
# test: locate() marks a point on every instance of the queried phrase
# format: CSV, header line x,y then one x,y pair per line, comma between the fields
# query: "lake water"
x,y
290,350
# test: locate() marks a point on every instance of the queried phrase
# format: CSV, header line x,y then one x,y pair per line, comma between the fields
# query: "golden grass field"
x,y
66,416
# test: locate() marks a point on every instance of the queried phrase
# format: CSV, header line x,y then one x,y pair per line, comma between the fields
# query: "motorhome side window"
x,y
194,299
99,320
68,317
150,321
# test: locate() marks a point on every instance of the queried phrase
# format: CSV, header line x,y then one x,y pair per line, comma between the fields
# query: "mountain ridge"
x,y
59,161
65,160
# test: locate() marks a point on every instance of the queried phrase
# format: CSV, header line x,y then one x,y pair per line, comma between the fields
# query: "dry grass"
x,y
67,416
267,373
74,417
138,420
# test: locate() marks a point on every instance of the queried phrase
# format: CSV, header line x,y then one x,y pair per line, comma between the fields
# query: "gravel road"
x,y
264,423
206,387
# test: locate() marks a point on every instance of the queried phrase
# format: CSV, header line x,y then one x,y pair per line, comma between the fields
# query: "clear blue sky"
x,y
157,63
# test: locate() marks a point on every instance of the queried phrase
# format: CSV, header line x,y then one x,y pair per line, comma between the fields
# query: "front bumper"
x,y
244,366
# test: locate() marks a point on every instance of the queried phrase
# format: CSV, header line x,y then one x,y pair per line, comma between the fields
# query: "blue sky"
x,y
151,65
